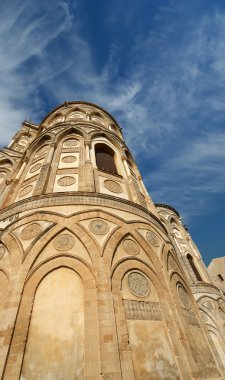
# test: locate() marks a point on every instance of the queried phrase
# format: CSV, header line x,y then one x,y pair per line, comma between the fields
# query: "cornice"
x,y
168,207
80,198
84,103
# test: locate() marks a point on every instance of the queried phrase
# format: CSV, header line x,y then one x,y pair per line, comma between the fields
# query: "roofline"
x,y
65,104
168,207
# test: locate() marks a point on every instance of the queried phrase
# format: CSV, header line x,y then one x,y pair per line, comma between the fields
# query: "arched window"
x,y
192,264
105,158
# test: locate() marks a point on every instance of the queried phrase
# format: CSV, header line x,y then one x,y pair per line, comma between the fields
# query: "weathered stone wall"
x,y
91,284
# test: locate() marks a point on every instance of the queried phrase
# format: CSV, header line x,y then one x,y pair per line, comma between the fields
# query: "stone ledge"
x,y
204,287
79,198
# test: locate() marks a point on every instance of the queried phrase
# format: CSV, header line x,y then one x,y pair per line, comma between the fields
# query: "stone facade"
x,y
97,282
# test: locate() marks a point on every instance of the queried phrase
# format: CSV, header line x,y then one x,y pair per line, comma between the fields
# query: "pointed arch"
x,y
26,306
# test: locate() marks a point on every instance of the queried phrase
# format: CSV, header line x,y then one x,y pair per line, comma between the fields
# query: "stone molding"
x,y
78,199
205,288
142,310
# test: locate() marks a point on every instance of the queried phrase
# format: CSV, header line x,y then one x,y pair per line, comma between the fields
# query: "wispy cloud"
x,y
26,31
165,84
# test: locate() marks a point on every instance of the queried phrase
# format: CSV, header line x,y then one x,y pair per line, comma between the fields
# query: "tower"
x,y
92,284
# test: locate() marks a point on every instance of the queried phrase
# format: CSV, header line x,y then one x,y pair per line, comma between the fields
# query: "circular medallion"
x,y
2,251
69,159
64,242
70,143
26,190
138,284
23,142
184,297
113,186
99,226
31,231
152,238
131,247
66,181
35,168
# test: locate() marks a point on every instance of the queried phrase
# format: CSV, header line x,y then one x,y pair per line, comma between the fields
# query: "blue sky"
x,y
157,66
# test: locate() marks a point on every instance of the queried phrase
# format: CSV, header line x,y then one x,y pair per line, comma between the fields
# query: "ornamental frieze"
x,y
141,310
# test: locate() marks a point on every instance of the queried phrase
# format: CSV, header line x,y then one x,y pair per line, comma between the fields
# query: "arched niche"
x,y
218,346
57,118
199,352
142,334
76,113
37,149
97,117
193,267
55,345
40,318
5,169
70,133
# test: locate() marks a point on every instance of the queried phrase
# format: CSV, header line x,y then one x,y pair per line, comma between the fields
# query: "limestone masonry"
x,y
96,281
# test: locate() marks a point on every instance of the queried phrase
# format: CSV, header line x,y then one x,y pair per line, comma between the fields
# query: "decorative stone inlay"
x,y
35,168
204,316
2,251
64,242
113,186
42,151
26,190
222,314
99,226
138,284
172,263
152,238
31,231
131,247
184,297
70,143
142,310
209,305
69,159
70,150
66,181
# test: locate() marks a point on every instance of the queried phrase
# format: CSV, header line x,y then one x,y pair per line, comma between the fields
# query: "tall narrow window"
x,y
192,264
105,158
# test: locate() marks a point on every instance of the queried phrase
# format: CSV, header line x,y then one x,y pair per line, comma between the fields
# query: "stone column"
x,y
44,172
88,174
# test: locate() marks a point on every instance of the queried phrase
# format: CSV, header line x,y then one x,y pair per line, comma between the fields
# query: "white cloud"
x,y
26,30
169,97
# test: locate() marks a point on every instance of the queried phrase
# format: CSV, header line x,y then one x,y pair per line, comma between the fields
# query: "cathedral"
x,y
96,281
